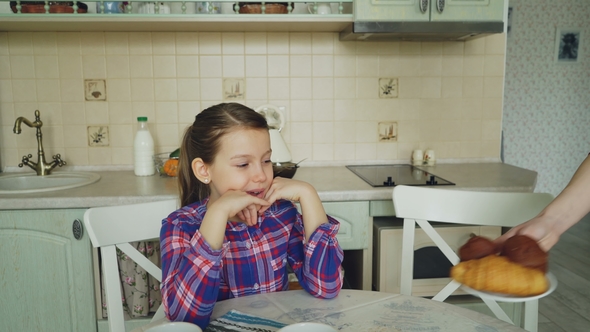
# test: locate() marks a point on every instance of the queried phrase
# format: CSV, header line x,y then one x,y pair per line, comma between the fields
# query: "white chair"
x,y
420,205
113,227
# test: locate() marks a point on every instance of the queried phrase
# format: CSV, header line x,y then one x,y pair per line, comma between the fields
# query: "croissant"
x,y
499,275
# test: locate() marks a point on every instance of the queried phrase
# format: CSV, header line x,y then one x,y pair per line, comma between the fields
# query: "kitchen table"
x,y
355,310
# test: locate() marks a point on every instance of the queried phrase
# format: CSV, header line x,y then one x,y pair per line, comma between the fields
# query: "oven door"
x,y
387,252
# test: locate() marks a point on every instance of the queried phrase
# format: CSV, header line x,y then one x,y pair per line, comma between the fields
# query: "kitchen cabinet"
x,y
300,22
354,236
410,10
45,272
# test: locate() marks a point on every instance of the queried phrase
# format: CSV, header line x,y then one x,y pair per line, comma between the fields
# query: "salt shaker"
x,y
429,157
417,157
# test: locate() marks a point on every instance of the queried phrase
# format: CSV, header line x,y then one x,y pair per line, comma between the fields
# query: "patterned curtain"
x,y
141,291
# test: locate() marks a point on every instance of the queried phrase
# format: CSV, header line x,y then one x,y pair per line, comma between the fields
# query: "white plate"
x,y
175,327
512,298
307,327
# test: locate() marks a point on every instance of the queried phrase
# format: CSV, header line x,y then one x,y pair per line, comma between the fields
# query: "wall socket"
x,y
388,87
387,131
98,136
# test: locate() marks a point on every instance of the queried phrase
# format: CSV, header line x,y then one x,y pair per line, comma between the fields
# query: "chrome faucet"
x,y
41,166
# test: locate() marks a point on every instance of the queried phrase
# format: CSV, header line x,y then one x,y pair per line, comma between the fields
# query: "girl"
x,y
238,228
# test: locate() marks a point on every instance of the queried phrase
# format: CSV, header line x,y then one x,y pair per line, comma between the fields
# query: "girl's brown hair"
x,y
202,140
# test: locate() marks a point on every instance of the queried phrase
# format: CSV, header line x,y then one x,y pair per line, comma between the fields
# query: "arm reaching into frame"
x,y
569,207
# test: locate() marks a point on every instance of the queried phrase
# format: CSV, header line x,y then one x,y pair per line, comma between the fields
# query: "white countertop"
x,y
333,183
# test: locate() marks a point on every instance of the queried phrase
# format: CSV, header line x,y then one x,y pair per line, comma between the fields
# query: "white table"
x,y
355,310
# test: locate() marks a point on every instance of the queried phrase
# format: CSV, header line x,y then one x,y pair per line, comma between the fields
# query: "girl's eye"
x,y
242,165
267,161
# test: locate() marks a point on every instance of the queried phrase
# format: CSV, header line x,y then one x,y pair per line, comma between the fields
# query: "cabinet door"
x,y
467,10
45,272
410,10
354,223
390,10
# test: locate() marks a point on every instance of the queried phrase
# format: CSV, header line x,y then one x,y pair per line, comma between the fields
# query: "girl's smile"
x,y
257,193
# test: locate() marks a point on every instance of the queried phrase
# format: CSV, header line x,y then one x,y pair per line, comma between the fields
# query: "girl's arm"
x,y
192,254
317,262
190,272
298,191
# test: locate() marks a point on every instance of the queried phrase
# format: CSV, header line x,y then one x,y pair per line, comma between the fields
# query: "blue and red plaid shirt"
x,y
252,260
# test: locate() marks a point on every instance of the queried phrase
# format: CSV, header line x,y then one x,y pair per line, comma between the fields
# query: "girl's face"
x,y
242,163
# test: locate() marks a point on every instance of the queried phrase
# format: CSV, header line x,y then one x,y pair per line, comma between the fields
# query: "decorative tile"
x,y
98,136
234,88
95,90
388,87
387,131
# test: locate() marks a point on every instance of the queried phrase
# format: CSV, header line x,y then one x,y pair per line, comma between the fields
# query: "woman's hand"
x,y
540,229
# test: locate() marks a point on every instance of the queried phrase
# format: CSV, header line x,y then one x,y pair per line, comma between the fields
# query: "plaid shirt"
x,y
252,260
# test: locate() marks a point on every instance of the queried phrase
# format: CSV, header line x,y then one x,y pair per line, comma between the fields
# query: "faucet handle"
x,y
25,160
57,161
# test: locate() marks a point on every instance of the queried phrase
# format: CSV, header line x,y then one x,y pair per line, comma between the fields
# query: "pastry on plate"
x,y
517,268
498,274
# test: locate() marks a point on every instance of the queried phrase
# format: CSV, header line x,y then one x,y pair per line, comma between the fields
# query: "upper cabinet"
x,y
428,10
298,15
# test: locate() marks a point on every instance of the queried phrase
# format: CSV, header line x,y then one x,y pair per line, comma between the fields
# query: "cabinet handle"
x,y
440,5
423,5
77,229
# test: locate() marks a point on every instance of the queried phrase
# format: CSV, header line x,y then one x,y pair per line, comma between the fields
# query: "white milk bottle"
x,y
143,149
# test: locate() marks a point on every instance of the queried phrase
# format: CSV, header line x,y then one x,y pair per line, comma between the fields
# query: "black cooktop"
x,y
393,175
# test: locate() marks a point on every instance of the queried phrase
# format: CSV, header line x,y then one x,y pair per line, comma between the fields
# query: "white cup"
x,y
429,157
322,8
417,157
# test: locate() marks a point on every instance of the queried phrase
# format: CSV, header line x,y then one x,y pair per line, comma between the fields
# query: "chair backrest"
x,y
421,205
113,227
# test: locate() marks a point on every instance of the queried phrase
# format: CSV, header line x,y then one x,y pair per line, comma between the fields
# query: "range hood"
x,y
420,31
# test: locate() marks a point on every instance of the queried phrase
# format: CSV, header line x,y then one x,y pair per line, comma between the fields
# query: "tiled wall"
x,y
547,105
450,93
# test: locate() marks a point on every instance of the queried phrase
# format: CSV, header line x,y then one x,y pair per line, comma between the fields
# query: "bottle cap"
x,y
142,118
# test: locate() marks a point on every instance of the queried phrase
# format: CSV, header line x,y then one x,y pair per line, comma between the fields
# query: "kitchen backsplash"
x,y
338,96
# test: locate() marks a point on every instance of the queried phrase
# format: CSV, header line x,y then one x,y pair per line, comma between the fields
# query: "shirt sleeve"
x,y
190,273
317,262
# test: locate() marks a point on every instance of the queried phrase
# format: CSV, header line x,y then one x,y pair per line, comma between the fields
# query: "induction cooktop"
x,y
399,174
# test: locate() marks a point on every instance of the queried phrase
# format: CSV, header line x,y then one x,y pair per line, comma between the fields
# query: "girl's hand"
x,y
289,189
241,205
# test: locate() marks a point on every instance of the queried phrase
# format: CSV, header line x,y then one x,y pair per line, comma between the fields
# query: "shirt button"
x,y
256,286
248,245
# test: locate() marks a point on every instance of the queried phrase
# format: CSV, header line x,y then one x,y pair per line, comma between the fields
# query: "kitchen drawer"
x,y
382,208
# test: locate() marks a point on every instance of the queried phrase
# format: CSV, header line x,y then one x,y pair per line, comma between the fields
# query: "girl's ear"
x,y
200,170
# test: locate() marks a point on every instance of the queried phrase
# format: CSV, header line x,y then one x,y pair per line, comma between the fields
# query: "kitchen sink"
x,y
22,183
